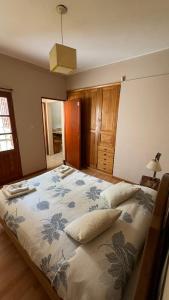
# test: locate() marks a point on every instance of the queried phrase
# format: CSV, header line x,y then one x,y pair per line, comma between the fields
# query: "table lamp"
x,y
154,165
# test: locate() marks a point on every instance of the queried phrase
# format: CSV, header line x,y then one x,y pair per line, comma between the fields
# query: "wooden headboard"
x,y
156,245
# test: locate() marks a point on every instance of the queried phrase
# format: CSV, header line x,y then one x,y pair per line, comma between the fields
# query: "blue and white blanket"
x,y
97,270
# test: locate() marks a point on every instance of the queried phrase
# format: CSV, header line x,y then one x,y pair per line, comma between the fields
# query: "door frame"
x,y
44,127
80,132
8,95
63,122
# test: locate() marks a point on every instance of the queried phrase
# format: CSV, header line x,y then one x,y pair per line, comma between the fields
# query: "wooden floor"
x,y
17,282
101,175
16,279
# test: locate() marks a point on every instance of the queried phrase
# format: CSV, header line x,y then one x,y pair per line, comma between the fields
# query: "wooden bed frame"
x,y
44,281
154,252
156,246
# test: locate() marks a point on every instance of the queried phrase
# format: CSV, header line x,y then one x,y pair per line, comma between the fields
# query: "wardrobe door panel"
x,y
106,138
91,149
92,99
107,134
110,103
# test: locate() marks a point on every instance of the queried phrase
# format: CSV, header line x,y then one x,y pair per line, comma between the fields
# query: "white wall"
x,y
143,120
29,84
143,127
56,114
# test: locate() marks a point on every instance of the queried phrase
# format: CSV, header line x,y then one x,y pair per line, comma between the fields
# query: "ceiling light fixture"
x,y
62,59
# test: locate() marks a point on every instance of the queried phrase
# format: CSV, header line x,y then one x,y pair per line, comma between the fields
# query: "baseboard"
x,y
100,172
109,175
121,179
41,171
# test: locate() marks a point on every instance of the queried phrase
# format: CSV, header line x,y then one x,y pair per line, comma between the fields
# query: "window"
x,y
6,138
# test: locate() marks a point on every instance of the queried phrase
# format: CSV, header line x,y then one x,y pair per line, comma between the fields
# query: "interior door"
x,y
72,110
10,163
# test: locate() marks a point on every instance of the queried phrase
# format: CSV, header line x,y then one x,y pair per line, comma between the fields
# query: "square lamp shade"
x,y
154,165
62,59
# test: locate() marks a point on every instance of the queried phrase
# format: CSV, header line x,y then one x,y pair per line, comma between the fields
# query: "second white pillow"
x,y
116,194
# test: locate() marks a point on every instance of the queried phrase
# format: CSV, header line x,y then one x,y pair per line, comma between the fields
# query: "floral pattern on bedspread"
x,y
51,229
94,193
96,270
145,200
13,222
121,258
127,217
56,272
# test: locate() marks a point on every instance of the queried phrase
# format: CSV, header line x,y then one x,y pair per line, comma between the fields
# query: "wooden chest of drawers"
x,y
105,159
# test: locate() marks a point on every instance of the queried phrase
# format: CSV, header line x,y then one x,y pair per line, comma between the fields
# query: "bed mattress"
x,y
99,269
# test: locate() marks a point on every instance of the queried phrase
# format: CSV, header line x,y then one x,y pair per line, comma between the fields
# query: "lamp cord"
x,y
61,23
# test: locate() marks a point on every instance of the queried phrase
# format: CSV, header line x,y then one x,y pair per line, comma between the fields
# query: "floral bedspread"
x,y
97,270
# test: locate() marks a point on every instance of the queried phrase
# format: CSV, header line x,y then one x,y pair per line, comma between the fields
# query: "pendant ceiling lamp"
x,y
62,59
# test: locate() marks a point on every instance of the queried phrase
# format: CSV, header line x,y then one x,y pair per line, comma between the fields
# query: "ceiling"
x,y
103,32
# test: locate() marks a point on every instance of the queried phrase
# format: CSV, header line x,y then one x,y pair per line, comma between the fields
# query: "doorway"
x,y
53,124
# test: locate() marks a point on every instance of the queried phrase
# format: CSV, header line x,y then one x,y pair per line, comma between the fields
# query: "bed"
x,y
36,223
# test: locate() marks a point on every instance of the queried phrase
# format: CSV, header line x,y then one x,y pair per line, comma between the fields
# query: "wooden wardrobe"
x,y
99,113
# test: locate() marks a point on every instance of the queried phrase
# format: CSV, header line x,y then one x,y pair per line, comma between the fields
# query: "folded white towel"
x,y
14,191
63,168
16,187
63,175
9,196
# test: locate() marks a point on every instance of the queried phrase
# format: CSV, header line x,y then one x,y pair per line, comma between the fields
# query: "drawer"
x,y
105,166
104,155
105,148
105,162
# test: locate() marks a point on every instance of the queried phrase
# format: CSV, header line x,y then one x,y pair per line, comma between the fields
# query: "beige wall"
x,y
30,83
143,120
143,127
147,65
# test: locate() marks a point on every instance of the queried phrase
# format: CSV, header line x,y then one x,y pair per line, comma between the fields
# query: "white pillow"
x,y
90,225
116,194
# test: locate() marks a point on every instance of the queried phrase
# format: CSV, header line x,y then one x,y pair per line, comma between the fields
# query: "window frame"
x,y
10,115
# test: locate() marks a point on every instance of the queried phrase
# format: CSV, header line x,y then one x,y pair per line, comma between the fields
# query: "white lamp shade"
x,y
62,59
154,165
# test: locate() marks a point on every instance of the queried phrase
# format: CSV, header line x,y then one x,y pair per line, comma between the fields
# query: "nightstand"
x,y
150,182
